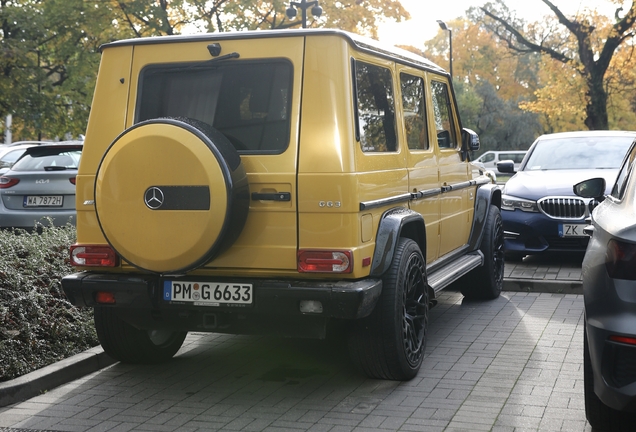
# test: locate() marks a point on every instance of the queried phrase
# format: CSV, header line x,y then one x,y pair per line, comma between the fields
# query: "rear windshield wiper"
x,y
205,63
56,168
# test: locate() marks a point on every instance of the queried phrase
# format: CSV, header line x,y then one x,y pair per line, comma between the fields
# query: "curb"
x,y
54,375
543,286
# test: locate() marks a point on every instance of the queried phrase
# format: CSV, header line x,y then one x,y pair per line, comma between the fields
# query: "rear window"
x,y
48,159
249,102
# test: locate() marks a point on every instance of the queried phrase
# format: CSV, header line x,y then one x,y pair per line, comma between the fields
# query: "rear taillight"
x,y
93,256
620,260
623,339
7,182
325,261
72,180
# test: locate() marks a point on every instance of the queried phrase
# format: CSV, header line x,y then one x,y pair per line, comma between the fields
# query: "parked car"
x,y
609,286
10,153
539,209
278,182
40,184
491,158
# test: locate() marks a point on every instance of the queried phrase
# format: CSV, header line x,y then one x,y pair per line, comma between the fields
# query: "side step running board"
x,y
448,274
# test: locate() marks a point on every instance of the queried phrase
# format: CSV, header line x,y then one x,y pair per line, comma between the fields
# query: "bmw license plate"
x,y
571,230
43,201
208,293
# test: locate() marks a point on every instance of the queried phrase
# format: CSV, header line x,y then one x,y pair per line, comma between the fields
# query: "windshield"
x,y
597,152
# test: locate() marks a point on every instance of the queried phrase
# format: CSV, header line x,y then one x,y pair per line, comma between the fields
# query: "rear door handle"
x,y
275,196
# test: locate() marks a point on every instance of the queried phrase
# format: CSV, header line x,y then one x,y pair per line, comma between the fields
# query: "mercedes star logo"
x,y
153,197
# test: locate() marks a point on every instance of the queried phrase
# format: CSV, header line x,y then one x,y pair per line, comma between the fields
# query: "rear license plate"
x,y
43,201
571,230
208,293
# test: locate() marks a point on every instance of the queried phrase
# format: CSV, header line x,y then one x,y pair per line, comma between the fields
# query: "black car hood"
x,y
537,184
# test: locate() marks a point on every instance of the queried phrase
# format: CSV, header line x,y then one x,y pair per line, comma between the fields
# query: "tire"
x,y
390,343
128,344
485,282
171,194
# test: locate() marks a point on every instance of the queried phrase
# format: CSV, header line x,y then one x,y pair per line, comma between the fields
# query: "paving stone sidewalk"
x,y
512,364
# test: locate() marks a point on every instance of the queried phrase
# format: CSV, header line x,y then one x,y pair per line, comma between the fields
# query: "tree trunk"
x,y
596,107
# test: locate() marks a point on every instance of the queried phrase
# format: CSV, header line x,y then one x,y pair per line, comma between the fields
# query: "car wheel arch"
x,y
487,195
396,223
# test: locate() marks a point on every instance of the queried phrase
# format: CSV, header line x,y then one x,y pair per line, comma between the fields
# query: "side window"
x,y
623,175
443,115
375,108
488,157
413,104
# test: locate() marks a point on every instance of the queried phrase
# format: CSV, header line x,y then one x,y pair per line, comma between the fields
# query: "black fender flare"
x,y
395,223
487,195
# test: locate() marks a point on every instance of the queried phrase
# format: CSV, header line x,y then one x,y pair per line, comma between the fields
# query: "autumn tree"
x,y
178,16
579,42
49,53
49,49
490,83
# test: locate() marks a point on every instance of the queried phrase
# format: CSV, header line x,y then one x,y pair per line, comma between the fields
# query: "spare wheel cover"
x,y
163,195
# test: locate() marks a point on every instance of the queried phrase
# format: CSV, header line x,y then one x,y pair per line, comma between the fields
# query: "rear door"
x,y
456,199
254,100
422,159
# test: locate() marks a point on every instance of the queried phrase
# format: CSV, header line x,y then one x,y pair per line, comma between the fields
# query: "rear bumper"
x,y
140,299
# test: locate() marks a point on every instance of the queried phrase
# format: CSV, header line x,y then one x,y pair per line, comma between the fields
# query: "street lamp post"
x,y
443,26
303,5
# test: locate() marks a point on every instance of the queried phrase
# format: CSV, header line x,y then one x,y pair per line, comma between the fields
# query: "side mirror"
x,y
470,140
506,166
591,188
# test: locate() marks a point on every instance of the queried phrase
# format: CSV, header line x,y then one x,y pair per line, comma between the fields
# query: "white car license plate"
x,y
208,293
43,201
571,230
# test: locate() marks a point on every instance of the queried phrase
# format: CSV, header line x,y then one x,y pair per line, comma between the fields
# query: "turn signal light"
x,y
93,256
313,261
7,182
620,260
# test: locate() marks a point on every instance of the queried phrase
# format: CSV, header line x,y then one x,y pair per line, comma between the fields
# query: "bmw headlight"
x,y
511,203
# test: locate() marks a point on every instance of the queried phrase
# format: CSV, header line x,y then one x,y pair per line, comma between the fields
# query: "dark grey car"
x,y
609,283
39,186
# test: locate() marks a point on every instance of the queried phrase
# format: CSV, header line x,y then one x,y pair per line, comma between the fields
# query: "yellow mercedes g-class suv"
x,y
276,182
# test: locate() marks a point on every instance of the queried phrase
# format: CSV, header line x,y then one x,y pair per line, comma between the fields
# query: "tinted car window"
x,y
49,160
443,115
413,103
249,102
623,175
376,108
578,153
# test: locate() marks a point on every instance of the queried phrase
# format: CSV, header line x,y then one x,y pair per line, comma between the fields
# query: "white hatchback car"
x,y
491,158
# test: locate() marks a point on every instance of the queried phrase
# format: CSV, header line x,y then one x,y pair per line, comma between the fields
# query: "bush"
x,y
38,326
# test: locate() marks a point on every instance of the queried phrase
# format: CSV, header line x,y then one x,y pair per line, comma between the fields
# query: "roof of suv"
x,y
360,42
